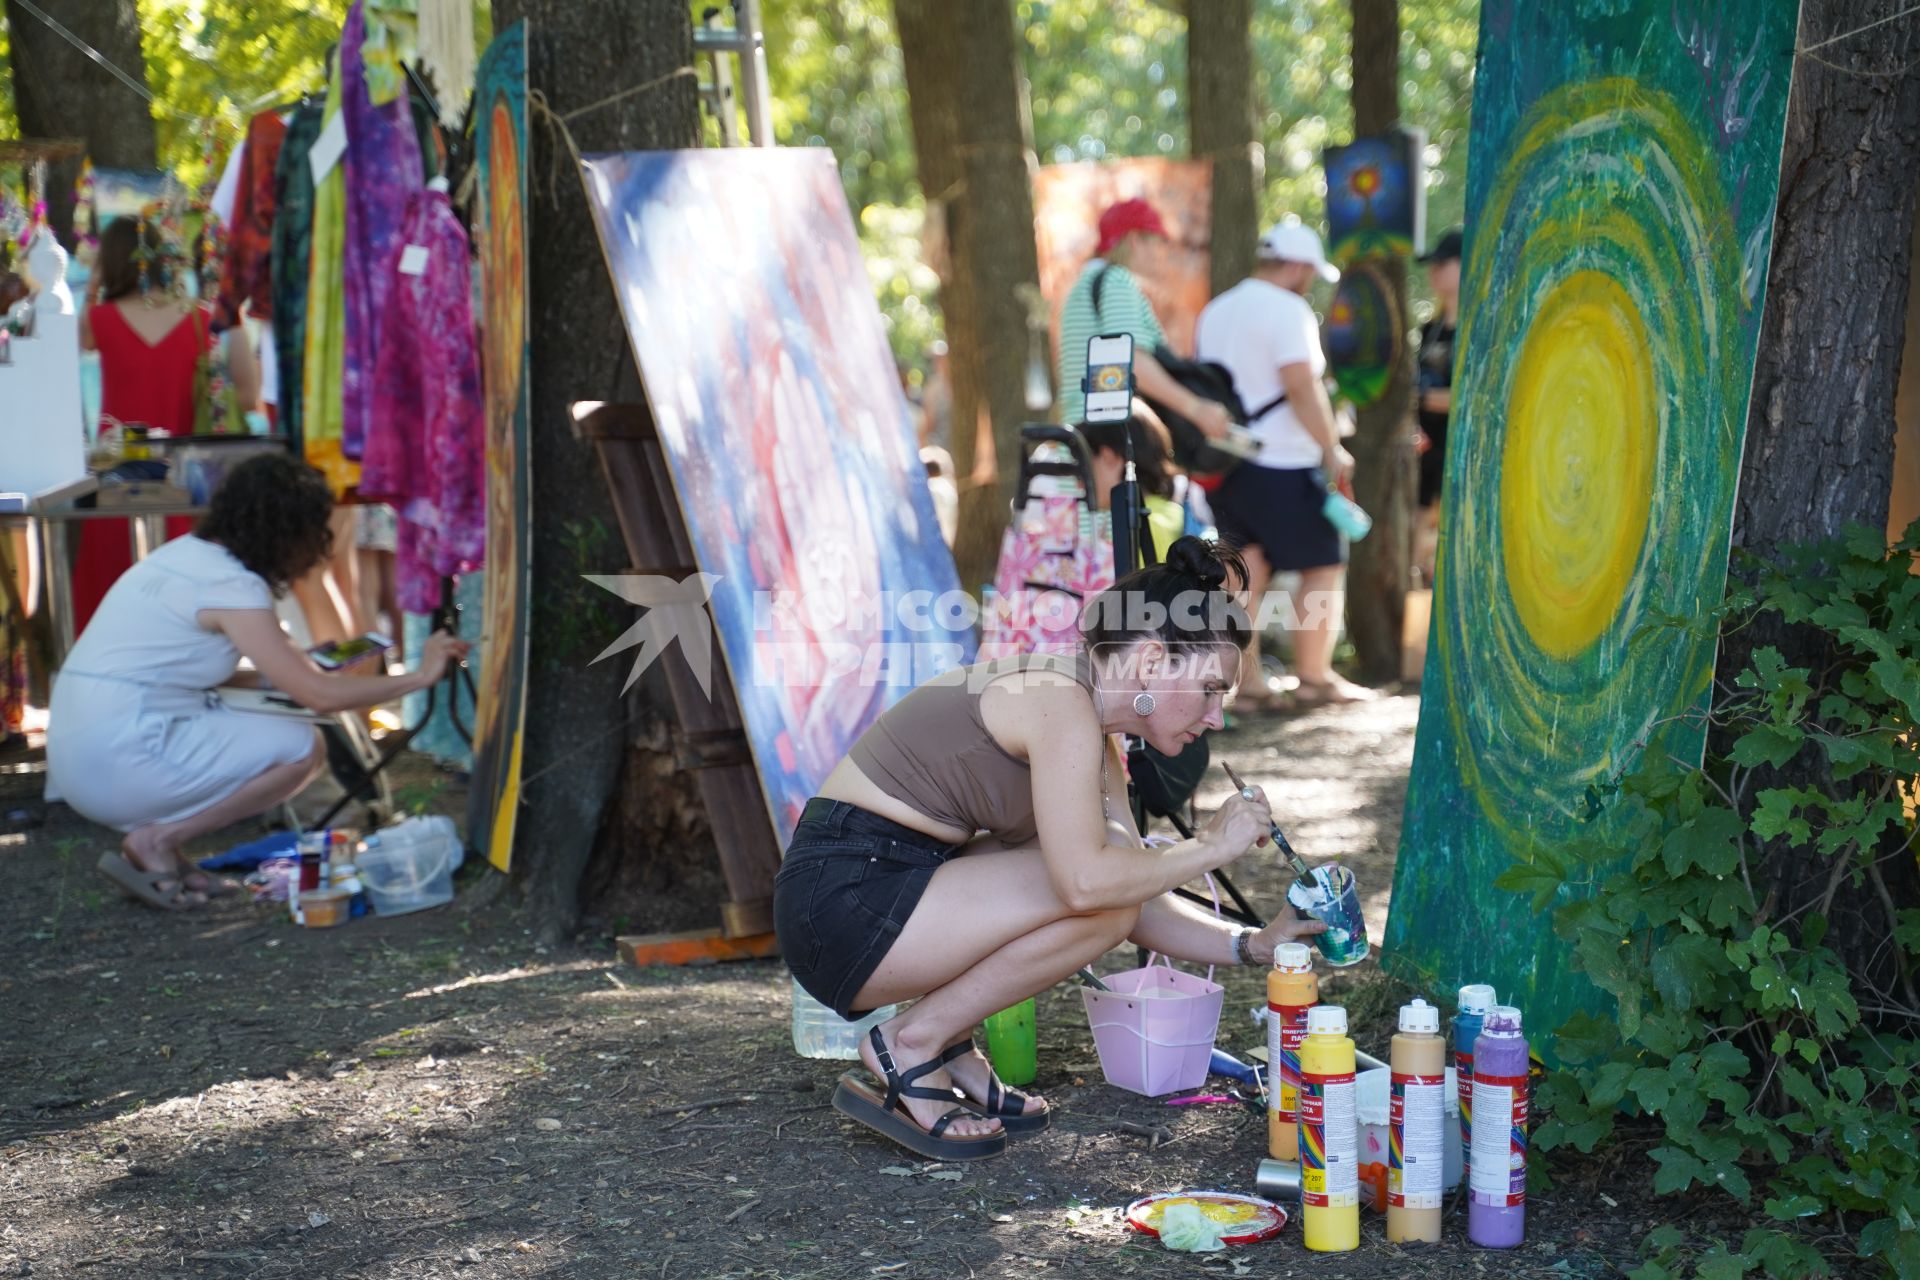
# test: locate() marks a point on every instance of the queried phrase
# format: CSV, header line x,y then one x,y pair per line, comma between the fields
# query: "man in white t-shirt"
x,y
1267,336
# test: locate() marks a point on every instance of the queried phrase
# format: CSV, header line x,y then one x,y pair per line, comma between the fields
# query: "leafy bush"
x,y
1775,1073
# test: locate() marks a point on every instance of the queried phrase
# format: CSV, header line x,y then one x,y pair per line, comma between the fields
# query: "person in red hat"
x,y
1124,228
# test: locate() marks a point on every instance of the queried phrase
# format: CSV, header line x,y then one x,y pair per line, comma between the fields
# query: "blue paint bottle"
x,y
1476,1001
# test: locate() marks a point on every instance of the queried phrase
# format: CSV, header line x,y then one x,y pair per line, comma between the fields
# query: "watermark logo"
x,y
827,639
675,611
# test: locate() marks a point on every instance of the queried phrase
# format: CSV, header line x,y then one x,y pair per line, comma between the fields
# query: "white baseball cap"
x,y
1297,242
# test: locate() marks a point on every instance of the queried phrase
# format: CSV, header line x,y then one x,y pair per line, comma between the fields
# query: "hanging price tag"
x,y
329,147
413,260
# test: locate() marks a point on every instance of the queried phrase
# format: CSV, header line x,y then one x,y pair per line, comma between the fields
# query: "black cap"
x,y
1446,247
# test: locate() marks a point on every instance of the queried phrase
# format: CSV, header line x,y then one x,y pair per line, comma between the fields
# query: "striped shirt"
x,y
1123,309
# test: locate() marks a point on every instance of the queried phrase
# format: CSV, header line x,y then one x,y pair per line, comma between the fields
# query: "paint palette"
x,y
1241,1219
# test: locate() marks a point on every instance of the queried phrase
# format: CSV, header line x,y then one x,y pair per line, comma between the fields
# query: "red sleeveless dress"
x,y
145,383
151,384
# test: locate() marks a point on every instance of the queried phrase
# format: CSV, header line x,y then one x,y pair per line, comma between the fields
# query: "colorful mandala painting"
x,y
1626,158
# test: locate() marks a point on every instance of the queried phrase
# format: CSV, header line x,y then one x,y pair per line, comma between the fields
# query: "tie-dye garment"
x,y
426,438
383,169
246,278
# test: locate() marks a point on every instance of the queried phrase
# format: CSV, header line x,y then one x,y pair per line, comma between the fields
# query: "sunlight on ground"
x,y
518,973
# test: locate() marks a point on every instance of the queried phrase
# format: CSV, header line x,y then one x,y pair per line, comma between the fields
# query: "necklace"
x,y
1105,752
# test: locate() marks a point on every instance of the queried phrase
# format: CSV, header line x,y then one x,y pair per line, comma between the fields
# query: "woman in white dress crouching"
x,y
137,741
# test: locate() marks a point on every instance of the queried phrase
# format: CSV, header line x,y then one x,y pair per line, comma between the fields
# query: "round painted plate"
x,y
1243,1219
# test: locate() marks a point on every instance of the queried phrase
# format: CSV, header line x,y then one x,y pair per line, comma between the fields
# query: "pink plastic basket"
x,y
1155,1028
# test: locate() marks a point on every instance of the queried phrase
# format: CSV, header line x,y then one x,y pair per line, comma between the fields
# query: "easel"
x,y
711,738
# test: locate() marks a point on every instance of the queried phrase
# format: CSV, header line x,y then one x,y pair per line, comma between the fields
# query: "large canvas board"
x,y
500,233
1620,196
790,443
1067,203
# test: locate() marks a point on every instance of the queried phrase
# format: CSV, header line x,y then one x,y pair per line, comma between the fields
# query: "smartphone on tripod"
x,y
1109,380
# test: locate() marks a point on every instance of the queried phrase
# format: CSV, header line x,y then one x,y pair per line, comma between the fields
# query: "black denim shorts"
x,y
849,883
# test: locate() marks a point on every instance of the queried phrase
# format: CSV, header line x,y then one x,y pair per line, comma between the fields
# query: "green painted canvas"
x,y
1624,164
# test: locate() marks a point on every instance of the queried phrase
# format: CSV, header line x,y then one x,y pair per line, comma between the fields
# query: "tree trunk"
x,y
1820,427
59,92
975,155
577,54
1384,476
1220,109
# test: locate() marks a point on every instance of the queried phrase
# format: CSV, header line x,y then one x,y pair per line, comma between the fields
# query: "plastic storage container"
x,y
409,866
1374,1095
819,1032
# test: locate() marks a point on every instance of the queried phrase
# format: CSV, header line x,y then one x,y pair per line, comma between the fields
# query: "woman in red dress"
x,y
150,343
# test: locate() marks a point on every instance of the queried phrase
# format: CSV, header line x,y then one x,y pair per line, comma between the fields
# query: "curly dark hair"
x,y
272,512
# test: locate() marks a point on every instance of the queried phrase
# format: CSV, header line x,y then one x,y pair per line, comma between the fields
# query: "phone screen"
x,y
343,652
1109,378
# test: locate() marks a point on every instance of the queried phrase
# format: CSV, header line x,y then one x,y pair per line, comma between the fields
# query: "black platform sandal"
x,y
858,1099
1000,1097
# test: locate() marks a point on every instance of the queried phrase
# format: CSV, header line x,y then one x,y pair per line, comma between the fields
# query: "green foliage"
x,y
9,122
213,64
1777,1075
1105,78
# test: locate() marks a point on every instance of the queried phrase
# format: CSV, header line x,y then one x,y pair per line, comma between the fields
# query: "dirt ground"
x,y
221,1094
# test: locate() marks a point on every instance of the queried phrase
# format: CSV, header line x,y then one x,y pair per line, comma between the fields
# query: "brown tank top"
x,y
932,752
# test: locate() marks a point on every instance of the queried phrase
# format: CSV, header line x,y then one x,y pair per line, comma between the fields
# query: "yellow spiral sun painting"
x,y
1624,164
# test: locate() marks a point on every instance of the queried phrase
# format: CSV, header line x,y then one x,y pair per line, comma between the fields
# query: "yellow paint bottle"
x,y
1291,991
1329,1134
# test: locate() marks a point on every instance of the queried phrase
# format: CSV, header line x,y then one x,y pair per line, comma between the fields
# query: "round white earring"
x,y
1143,704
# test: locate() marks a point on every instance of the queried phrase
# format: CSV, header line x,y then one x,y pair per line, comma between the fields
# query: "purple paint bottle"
x,y
1497,1182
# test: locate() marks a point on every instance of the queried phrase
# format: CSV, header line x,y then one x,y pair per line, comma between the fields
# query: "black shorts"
x,y
1278,511
849,883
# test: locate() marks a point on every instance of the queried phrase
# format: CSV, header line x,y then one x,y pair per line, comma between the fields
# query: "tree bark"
x,y
59,92
578,53
1820,426
974,148
1220,109
1384,478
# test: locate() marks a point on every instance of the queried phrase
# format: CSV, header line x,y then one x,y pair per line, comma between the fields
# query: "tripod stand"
x,y
1133,549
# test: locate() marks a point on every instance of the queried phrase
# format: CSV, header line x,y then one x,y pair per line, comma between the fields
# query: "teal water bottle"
x,y
1012,1044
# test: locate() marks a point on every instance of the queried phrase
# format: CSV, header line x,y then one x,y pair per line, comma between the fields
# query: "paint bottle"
x,y
1497,1190
1329,1134
1417,1141
1475,1001
1291,991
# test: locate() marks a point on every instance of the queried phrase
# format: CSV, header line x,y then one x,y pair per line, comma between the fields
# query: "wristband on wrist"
x,y
1243,945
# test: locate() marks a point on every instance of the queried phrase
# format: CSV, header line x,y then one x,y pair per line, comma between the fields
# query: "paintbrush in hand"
x,y
1273,828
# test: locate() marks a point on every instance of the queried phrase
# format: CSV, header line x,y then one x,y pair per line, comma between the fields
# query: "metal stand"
x,y
350,747
1133,549
745,40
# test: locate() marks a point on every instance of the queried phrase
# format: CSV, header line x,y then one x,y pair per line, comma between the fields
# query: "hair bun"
x,y
1198,559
